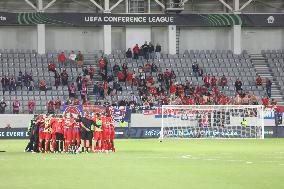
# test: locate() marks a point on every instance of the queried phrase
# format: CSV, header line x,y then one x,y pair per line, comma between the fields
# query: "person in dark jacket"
x,y
158,50
128,55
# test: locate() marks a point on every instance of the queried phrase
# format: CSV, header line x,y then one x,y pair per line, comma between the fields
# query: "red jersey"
x,y
58,125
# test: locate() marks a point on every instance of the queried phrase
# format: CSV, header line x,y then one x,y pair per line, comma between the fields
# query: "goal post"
x,y
212,121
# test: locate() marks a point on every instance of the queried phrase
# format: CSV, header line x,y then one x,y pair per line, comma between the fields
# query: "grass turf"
x,y
147,164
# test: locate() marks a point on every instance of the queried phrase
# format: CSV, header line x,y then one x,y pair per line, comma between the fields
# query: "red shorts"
x,y
41,134
106,134
48,136
98,135
53,136
76,134
68,134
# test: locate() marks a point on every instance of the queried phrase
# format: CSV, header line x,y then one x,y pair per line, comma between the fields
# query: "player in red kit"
x,y
68,127
76,133
41,133
98,135
111,134
47,133
105,133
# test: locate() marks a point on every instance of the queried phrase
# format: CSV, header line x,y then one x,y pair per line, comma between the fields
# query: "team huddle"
x,y
53,133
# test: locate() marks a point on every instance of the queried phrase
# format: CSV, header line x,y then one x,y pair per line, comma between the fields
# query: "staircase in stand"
x,y
263,69
177,39
92,60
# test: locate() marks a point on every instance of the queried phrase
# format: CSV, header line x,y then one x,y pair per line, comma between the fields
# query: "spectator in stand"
x,y
13,84
64,77
195,70
124,70
57,105
173,90
91,72
268,87
51,67
102,64
96,89
214,81
158,50
145,49
121,76
16,106
147,67
80,59
154,68
115,69
61,60
238,86
117,87
20,80
42,85
141,56
273,103
223,81
206,80
84,92
3,83
26,80
135,51
128,55
79,82
167,78
72,91
57,79
73,56
173,75
254,100
31,86
265,101
151,51
3,106
200,72
50,107
258,81
105,88
31,106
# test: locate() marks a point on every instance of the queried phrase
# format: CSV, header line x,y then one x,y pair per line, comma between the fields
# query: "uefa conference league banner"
x,y
93,19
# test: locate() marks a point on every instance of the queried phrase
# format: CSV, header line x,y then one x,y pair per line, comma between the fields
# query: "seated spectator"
x,y
206,80
80,59
96,89
50,107
72,90
273,103
13,84
135,51
154,68
79,82
51,67
3,106
167,78
258,81
64,77
237,100
117,86
57,105
214,81
223,81
128,55
158,50
173,75
147,67
31,106
42,85
173,89
31,86
200,72
61,59
254,100
238,85
115,69
195,70
16,106
120,76
72,56
265,101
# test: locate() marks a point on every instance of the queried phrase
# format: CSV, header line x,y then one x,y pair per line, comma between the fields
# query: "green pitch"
x,y
149,164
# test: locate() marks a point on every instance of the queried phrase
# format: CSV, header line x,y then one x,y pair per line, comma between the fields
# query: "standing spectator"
x,y
145,49
238,85
13,84
61,60
141,56
20,80
50,107
223,81
102,64
31,86
72,56
268,87
64,77
31,106
265,101
84,92
195,69
200,72
214,81
115,69
57,105
79,82
173,75
42,85
3,106
91,72
72,90
158,50
3,83
151,51
206,80
128,55
26,80
135,51
80,59
57,79
96,89
16,106
258,81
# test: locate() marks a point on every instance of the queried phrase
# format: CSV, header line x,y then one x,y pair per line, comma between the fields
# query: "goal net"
x,y
212,121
